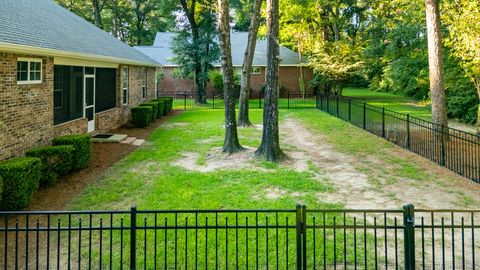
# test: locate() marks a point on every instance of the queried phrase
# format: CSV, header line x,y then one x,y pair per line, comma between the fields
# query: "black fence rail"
x,y
298,238
185,100
456,150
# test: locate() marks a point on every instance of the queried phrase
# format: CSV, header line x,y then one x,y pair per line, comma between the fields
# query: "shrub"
x,y
82,144
141,116
161,105
154,106
167,104
21,178
1,188
56,161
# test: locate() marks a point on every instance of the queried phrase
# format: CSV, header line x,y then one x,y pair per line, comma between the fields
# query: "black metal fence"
x,y
184,100
456,150
298,238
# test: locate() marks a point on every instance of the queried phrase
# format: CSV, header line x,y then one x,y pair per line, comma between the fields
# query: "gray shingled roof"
x,y
161,52
44,24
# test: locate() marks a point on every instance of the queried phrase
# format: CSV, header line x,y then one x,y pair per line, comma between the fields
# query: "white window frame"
x,y
256,72
125,75
144,83
29,61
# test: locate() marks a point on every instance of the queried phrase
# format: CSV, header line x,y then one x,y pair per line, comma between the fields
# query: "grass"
x,y
401,104
148,179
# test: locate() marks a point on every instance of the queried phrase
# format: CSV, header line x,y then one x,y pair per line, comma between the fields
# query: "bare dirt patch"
x,y
216,160
355,188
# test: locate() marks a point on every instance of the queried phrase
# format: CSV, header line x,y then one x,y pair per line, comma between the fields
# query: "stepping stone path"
x,y
133,141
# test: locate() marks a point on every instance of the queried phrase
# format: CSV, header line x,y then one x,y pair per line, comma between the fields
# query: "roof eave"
x,y
17,48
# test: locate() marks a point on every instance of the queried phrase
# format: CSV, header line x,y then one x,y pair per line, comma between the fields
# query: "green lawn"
x,y
401,104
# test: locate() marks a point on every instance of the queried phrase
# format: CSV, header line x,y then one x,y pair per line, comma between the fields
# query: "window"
x,y
29,71
255,70
125,85
67,93
144,83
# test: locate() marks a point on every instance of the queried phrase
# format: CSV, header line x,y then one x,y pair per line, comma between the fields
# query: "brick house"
x,y
289,64
60,75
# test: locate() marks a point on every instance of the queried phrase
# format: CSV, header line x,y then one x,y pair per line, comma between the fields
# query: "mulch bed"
x,y
104,155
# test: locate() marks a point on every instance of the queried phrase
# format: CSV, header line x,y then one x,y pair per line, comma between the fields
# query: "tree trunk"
x,y
436,72
477,85
115,18
270,147
199,86
97,13
243,118
231,143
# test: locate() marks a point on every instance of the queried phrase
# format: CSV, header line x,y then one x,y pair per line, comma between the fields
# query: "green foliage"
x,y
56,161
216,78
204,52
167,104
21,178
82,144
155,108
161,106
142,116
1,188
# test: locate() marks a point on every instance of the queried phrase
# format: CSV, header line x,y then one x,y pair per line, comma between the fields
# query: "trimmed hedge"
x,y
82,144
141,116
167,104
56,161
154,106
21,178
161,105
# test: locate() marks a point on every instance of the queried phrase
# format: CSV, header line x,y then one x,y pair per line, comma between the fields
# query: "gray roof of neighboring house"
x,y
46,25
162,53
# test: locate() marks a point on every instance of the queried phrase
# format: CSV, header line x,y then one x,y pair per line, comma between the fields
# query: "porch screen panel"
x,y
105,89
68,94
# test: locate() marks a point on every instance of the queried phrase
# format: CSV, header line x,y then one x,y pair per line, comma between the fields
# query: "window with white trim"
x,y
144,83
125,86
29,71
255,70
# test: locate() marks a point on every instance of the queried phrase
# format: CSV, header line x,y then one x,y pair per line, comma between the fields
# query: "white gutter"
x,y
25,49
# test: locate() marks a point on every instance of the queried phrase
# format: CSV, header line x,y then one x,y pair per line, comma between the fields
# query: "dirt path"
x,y
355,188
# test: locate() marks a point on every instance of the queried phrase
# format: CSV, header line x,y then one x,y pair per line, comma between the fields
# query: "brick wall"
x,y
120,115
26,111
288,78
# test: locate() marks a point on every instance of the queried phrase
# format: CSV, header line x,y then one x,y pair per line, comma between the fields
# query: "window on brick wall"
x,y
144,83
29,71
255,70
125,85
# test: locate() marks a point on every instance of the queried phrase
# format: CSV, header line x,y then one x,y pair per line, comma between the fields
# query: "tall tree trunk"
x,y
477,85
270,146
115,19
97,13
231,143
199,86
243,118
436,72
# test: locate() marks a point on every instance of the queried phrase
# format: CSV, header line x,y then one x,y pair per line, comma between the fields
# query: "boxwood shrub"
x,y
82,144
167,105
154,106
161,105
56,161
141,116
21,178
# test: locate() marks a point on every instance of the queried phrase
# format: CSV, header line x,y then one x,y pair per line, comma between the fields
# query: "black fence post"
x,y
185,101
408,131
299,226
259,99
133,237
304,238
349,110
338,112
442,145
288,99
328,103
409,235
383,122
213,99
364,115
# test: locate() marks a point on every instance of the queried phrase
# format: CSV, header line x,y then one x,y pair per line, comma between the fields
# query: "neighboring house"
x,y
60,75
289,64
